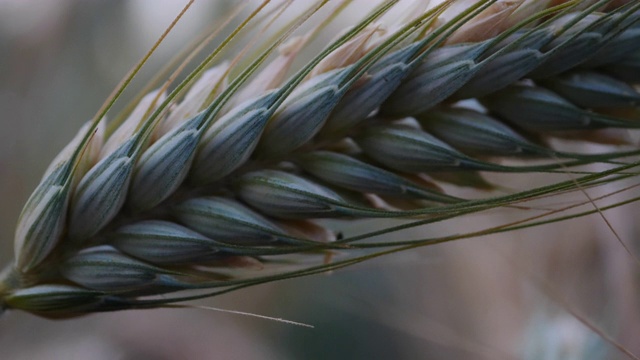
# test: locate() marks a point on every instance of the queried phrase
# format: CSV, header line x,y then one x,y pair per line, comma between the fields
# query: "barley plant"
x,y
251,155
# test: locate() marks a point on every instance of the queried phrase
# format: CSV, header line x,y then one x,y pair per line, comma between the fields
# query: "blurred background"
x,y
507,296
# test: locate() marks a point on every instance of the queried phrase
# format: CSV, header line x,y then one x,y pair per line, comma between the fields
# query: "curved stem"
x,y
9,280
4,287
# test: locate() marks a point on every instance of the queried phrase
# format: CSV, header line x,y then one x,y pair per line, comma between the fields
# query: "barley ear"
x,y
245,171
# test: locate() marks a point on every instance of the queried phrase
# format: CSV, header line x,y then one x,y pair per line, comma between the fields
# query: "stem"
x,y
9,280
3,288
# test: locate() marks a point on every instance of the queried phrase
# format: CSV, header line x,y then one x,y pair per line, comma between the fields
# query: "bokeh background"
x,y
507,296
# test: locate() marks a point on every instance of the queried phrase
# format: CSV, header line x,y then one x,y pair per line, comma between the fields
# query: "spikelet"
x,y
195,187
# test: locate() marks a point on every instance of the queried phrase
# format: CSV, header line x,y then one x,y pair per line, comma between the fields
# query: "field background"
x,y
496,297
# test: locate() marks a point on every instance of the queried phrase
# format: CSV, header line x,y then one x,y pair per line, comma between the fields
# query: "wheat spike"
x,y
243,164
